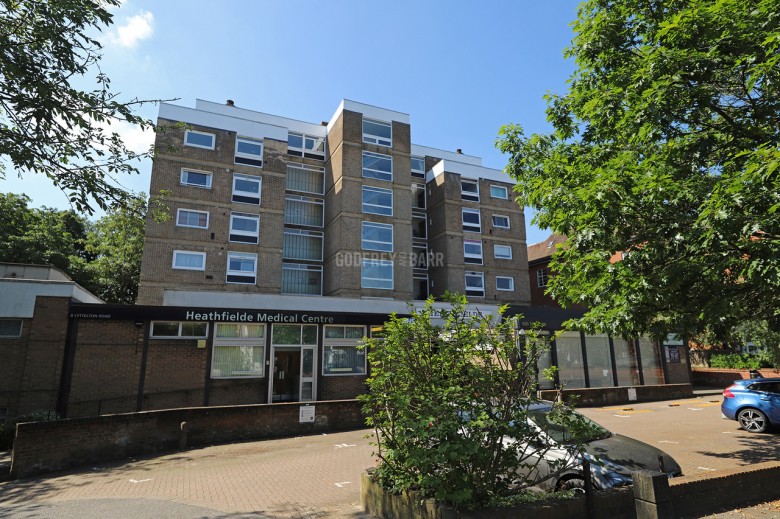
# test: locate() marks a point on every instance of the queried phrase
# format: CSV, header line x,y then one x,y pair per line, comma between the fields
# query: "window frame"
x,y
506,192
473,256
466,195
304,232
305,200
240,273
179,335
496,226
383,263
418,172
479,275
239,232
212,135
178,252
179,211
416,188
305,167
21,328
372,138
477,225
424,219
249,159
542,277
228,342
511,283
381,190
374,173
342,343
303,151
238,198
379,225
495,251
208,175
301,267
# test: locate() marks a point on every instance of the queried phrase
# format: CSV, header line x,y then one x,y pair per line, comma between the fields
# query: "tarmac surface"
x,y
319,476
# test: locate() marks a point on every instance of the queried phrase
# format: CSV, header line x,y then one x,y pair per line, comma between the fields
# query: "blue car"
x,y
754,403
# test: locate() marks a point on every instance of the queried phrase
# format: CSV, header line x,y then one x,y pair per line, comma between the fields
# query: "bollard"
x,y
652,496
183,436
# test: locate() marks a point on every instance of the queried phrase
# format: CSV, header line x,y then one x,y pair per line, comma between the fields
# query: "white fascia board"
x,y
293,303
18,299
243,127
370,111
424,151
467,171
315,130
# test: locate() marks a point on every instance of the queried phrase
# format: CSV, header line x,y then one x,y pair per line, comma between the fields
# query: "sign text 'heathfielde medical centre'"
x,y
259,317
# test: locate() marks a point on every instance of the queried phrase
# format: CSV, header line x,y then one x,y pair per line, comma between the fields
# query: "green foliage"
x,y
104,257
48,126
666,147
738,361
449,406
8,429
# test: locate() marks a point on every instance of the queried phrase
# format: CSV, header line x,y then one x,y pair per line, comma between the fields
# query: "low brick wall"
x,y
49,446
600,396
713,377
704,494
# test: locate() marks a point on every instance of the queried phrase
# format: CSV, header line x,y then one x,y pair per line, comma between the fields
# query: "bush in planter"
x,y
448,404
8,429
738,361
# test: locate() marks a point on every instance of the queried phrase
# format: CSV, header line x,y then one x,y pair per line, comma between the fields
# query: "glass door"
x,y
307,389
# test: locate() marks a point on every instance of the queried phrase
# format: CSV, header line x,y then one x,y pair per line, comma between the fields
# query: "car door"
x,y
770,395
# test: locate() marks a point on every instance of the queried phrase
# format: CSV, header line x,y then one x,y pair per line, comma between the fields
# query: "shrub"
x,y
8,429
739,361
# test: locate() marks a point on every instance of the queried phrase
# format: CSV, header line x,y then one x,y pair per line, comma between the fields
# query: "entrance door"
x,y
287,375
307,373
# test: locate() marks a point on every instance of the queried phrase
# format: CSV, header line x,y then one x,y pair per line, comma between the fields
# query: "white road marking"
x,y
695,408
667,441
139,480
706,468
342,445
341,485
623,415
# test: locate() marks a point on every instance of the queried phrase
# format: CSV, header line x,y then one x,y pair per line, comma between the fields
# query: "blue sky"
x,y
460,69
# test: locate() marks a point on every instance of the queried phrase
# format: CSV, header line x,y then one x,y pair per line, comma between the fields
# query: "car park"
x,y
754,403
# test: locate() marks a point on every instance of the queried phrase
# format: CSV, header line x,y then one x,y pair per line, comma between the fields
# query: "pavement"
x,y
319,476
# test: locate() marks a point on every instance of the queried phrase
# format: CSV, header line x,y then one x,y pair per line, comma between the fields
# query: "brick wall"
x,y
341,387
13,353
48,446
725,377
594,397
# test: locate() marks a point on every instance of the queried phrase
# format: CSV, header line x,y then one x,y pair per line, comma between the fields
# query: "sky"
x,y
460,69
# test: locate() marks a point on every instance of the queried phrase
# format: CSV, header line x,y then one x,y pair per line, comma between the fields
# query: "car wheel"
x,y
753,420
575,484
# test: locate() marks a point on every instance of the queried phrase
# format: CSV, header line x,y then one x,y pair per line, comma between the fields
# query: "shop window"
x,y
377,201
302,245
626,362
472,252
306,179
499,192
505,283
342,354
244,228
188,260
377,132
199,139
246,189
178,330
377,236
471,220
571,370
191,218
302,210
502,252
294,335
475,284
500,222
599,361
302,145
302,279
652,372
249,152
469,190
10,328
376,274
191,177
239,351
377,166
241,268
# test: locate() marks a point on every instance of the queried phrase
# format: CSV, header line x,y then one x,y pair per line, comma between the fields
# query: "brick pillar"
x,y
652,497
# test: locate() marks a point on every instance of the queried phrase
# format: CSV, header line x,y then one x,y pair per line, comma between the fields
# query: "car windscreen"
x,y
567,428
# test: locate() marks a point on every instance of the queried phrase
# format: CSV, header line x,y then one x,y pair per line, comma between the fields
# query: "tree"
x,y
665,147
449,407
47,125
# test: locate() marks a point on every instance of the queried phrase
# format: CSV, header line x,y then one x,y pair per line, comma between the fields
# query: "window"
x,y
178,330
190,177
500,222
502,251
377,236
471,221
239,351
301,210
187,260
472,252
249,152
419,228
419,257
10,328
302,245
246,189
418,196
244,228
420,287
571,369
377,201
469,190
475,284
199,139
505,283
599,361
377,132
302,145
542,277
499,192
418,166
306,179
294,335
377,166
241,268
377,274
341,355
191,218
301,279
